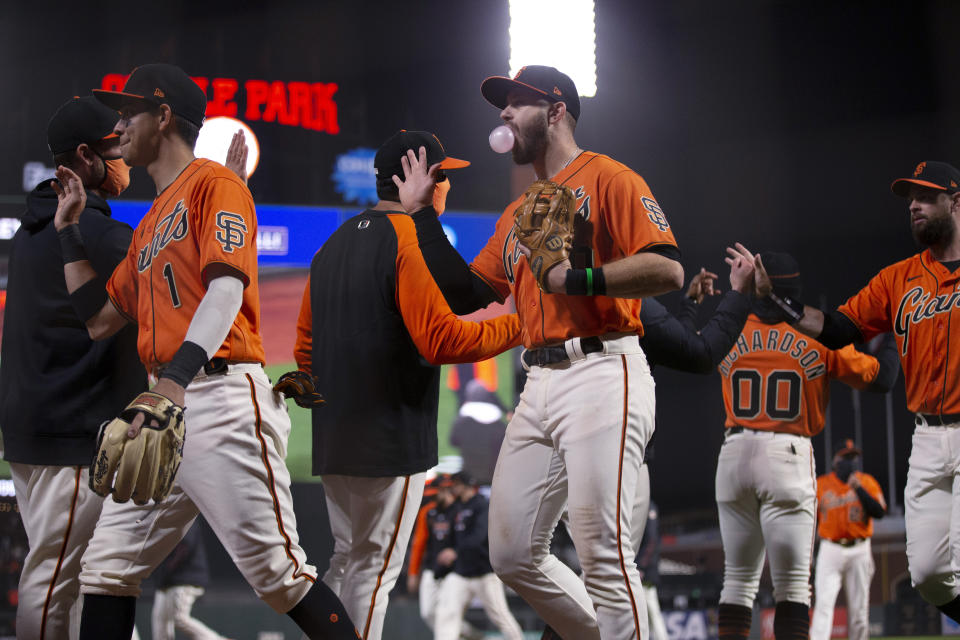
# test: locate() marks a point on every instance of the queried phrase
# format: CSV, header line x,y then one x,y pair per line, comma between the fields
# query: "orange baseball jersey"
x,y
201,226
619,218
840,512
919,298
418,541
775,379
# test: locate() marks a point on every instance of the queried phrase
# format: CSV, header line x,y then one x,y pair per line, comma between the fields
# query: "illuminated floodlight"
x,y
570,47
215,136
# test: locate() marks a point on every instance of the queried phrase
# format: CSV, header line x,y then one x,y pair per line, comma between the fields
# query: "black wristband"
x,y
793,309
186,362
585,282
89,299
71,244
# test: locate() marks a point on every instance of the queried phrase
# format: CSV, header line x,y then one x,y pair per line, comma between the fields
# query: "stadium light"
x,y
215,136
571,47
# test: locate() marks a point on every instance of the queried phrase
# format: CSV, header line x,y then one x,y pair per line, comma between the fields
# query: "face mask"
x,y
440,195
116,176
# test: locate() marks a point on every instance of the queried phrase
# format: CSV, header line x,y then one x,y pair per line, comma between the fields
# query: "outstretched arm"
x,y
88,297
463,289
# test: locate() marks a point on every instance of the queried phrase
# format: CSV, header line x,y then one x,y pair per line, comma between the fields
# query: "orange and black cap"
x,y
784,273
79,121
157,84
550,83
931,174
387,161
847,448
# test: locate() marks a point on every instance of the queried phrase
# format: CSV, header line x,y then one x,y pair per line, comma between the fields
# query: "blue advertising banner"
x,y
288,236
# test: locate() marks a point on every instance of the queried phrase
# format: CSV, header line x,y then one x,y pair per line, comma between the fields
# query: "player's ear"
x,y
556,112
166,117
85,155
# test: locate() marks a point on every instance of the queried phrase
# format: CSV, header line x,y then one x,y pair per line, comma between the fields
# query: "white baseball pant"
x,y
456,593
172,612
429,593
853,567
576,441
233,472
658,626
932,511
371,520
766,493
59,513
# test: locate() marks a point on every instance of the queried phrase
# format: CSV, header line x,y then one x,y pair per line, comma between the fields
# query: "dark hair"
x,y
464,478
187,131
65,158
387,190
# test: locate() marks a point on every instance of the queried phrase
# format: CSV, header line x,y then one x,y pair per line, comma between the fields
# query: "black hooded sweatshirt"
x,y
56,384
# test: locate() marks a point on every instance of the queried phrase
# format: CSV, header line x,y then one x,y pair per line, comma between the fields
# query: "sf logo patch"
x,y
231,230
655,213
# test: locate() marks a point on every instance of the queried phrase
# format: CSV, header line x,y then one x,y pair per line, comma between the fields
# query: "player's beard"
x,y
936,231
532,142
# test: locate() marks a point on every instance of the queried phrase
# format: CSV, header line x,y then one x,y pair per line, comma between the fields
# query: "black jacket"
x,y
56,384
470,538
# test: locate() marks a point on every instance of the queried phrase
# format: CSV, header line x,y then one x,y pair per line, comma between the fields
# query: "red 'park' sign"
x,y
299,104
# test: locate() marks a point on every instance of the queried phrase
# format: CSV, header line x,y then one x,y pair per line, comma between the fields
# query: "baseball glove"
x,y
302,387
544,225
143,467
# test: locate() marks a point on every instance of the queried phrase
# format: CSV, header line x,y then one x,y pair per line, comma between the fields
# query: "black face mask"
x,y
845,467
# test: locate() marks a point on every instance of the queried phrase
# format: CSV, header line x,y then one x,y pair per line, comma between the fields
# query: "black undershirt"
x,y
951,265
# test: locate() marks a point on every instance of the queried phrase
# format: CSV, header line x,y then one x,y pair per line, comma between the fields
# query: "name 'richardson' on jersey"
x,y
806,355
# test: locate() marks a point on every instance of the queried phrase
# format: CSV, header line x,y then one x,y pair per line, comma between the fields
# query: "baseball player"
x,y
374,341
56,384
917,299
181,578
775,388
189,281
471,577
586,412
432,533
848,500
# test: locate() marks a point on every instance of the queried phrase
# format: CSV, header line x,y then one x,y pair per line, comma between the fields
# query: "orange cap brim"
x,y
453,163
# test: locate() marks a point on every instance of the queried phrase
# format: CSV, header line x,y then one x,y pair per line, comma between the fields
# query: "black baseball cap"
x,y
931,174
387,161
847,448
784,273
157,84
79,121
552,84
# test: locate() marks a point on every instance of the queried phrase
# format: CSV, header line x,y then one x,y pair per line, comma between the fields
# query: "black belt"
x,y
553,355
215,366
733,430
848,542
940,420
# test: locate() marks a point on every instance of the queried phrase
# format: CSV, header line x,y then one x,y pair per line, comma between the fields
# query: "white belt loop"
x,y
574,350
921,421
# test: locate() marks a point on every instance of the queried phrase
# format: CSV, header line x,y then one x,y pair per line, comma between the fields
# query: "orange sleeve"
x,y
227,228
122,286
871,486
851,367
439,335
869,308
489,263
634,219
418,543
303,348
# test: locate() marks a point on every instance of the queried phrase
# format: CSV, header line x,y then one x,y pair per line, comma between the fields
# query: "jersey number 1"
x,y
752,394
168,276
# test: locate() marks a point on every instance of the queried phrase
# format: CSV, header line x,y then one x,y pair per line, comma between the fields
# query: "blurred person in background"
x,y
478,431
848,501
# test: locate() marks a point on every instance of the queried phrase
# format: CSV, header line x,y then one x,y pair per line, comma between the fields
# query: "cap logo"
x,y
919,169
159,93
